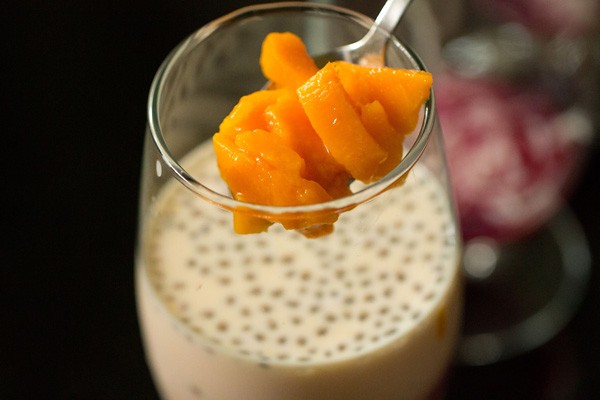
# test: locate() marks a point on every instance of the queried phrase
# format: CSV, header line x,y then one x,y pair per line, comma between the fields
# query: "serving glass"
x,y
371,310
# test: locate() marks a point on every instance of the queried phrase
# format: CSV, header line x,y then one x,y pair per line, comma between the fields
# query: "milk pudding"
x,y
371,311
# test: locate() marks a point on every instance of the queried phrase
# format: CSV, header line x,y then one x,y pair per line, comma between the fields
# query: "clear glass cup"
x,y
372,310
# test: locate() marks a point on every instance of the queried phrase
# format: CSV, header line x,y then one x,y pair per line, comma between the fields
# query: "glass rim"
x,y
368,192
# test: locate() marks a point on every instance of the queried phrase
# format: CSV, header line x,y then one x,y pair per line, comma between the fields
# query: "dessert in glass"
x,y
371,309
516,100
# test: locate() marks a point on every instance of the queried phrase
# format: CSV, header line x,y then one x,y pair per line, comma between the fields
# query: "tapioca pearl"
x,y
181,226
383,276
339,257
267,259
266,308
388,292
365,283
222,222
290,274
272,324
169,299
429,296
369,298
249,276
292,303
394,240
183,307
255,291
224,280
197,329
412,245
349,300
382,230
340,273
396,318
400,276
398,224
383,253
346,240
330,318
287,259
368,244
247,261
302,290
384,310
363,315
314,309
427,257
390,332
222,326
319,294
196,392
203,249
282,340
417,287
342,347
409,207
207,314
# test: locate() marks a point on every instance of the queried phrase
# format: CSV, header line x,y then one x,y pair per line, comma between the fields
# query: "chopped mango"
x,y
289,121
304,139
249,113
338,124
260,168
376,122
402,92
285,61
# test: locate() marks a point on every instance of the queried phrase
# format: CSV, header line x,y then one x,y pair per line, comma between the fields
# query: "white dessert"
x,y
369,312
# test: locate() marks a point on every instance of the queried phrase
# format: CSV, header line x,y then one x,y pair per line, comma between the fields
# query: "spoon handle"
x,y
390,14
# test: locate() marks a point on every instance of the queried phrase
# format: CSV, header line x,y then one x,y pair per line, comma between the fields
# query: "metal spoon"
x,y
387,20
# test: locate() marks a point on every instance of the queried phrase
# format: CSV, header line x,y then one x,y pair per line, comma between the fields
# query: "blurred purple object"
x,y
570,17
512,153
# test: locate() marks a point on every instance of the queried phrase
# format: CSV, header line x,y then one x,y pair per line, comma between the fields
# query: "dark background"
x,y
75,83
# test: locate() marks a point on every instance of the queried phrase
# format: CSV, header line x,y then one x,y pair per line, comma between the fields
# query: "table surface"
x,y
76,118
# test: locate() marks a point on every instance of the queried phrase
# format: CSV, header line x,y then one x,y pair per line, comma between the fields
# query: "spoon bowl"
x,y
371,44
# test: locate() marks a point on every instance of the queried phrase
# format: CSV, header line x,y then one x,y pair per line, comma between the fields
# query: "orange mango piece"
x,y
339,126
248,113
401,92
259,168
376,121
287,119
284,60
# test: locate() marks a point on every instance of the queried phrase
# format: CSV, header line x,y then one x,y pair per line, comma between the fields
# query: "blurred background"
x,y
76,79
